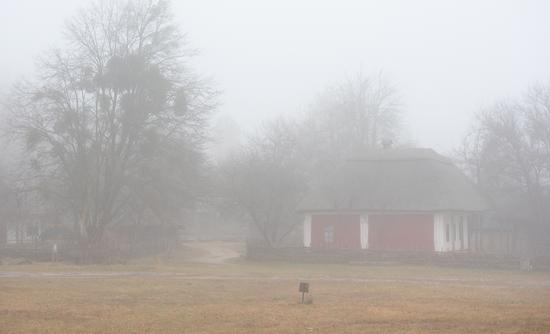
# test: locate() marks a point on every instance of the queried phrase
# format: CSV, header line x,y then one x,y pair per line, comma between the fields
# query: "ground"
x,y
209,290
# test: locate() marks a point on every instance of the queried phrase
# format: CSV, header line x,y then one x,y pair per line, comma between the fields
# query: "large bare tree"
x,y
114,120
354,116
266,181
508,150
346,121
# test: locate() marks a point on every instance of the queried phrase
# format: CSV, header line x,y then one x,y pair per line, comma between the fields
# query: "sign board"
x,y
304,287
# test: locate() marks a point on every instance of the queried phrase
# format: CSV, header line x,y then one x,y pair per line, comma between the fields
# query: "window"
x,y
447,236
329,234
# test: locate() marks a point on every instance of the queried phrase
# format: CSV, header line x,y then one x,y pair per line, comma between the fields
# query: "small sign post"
x,y
303,288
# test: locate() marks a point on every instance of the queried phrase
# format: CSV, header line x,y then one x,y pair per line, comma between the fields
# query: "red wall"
x,y
401,232
346,231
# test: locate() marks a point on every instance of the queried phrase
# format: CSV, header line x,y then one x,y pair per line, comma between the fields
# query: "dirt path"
x,y
214,252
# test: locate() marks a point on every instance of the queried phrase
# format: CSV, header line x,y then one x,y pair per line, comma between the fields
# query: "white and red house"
x,y
394,200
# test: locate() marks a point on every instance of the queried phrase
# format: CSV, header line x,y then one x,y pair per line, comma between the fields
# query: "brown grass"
x,y
263,298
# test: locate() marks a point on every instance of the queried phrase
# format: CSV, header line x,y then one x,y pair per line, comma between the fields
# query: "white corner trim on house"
x,y
466,233
307,231
440,244
364,230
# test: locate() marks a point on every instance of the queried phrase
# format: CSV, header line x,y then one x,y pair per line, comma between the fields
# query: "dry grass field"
x,y
243,297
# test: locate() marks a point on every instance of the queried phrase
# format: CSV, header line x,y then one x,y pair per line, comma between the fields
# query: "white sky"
x,y
447,58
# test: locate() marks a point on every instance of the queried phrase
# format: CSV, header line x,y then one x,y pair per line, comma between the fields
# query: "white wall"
x,y
364,231
439,233
307,231
449,223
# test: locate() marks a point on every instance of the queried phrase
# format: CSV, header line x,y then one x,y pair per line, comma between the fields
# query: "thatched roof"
x,y
396,180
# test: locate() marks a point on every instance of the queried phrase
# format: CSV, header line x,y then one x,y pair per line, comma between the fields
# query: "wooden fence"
x,y
257,252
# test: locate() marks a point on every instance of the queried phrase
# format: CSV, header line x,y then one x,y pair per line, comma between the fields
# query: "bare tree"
x,y
537,113
266,181
508,150
107,116
355,116
345,122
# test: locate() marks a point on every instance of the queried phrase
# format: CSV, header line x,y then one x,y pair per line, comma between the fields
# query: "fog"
x,y
274,167
448,59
